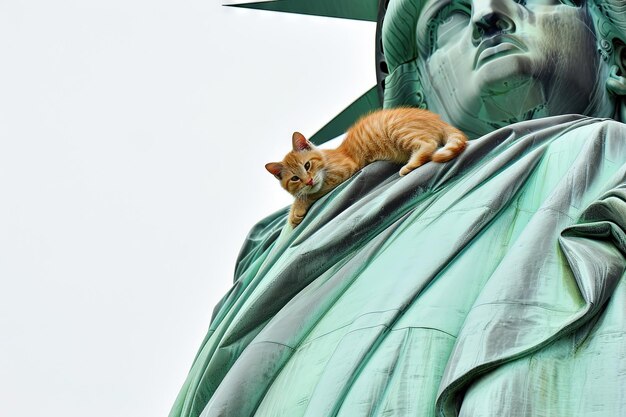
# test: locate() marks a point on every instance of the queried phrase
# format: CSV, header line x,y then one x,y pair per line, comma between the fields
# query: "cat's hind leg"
x,y
454,144
419,157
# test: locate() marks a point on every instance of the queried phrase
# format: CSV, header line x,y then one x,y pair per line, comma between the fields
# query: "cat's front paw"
x,y
297,212
296,218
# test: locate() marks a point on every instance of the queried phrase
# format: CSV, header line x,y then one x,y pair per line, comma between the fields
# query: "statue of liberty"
x,y
487,286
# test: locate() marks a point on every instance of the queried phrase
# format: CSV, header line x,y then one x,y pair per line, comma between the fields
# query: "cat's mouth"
x,y
315,183
315,187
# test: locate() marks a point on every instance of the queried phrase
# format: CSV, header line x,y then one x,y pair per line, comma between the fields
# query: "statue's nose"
x,y
490,17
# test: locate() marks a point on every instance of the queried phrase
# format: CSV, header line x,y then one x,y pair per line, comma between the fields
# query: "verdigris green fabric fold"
x,y
490,285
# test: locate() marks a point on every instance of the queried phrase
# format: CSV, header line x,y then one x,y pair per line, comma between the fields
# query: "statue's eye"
x,y
294,178
446,24
307,166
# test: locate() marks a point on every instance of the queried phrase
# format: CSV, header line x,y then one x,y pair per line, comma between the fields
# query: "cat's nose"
x,y
310,181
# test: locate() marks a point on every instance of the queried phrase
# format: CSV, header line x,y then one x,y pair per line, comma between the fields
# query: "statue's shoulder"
x,y
586,136
601,126
583,125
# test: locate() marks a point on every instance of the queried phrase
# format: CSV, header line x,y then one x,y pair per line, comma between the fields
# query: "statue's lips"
x,y
498,46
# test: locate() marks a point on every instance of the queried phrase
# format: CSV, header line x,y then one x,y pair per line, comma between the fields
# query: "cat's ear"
x,y
274,168
300,143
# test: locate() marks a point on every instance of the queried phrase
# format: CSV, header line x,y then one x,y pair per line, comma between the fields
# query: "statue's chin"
x,y
509,93
500,91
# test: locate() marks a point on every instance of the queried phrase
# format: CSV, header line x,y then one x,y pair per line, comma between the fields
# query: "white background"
x,y
133,135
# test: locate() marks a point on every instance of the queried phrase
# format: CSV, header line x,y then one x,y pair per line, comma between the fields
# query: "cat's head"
x,y
301,172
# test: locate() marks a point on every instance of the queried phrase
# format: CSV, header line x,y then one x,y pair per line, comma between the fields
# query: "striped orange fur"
x,y
404,135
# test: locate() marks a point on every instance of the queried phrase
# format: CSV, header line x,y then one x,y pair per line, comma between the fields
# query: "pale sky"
x,y
133,138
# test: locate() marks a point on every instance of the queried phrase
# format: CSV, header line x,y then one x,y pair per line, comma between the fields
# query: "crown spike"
x,y
346,9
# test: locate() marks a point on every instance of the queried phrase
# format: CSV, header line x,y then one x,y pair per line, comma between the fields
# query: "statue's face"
x,y
502,61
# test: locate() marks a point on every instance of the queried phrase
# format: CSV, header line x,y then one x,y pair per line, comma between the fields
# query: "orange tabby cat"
x,y
403,135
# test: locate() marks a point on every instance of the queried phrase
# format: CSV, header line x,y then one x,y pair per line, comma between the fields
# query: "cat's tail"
x,y
455,143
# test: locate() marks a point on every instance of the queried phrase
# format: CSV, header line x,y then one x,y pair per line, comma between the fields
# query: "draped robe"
x,y
490,285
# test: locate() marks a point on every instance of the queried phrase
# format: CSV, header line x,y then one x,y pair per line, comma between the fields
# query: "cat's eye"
x,y
294,178
307,165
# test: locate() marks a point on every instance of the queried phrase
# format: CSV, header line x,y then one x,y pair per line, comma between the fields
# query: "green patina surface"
x,y
491,285
481,285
